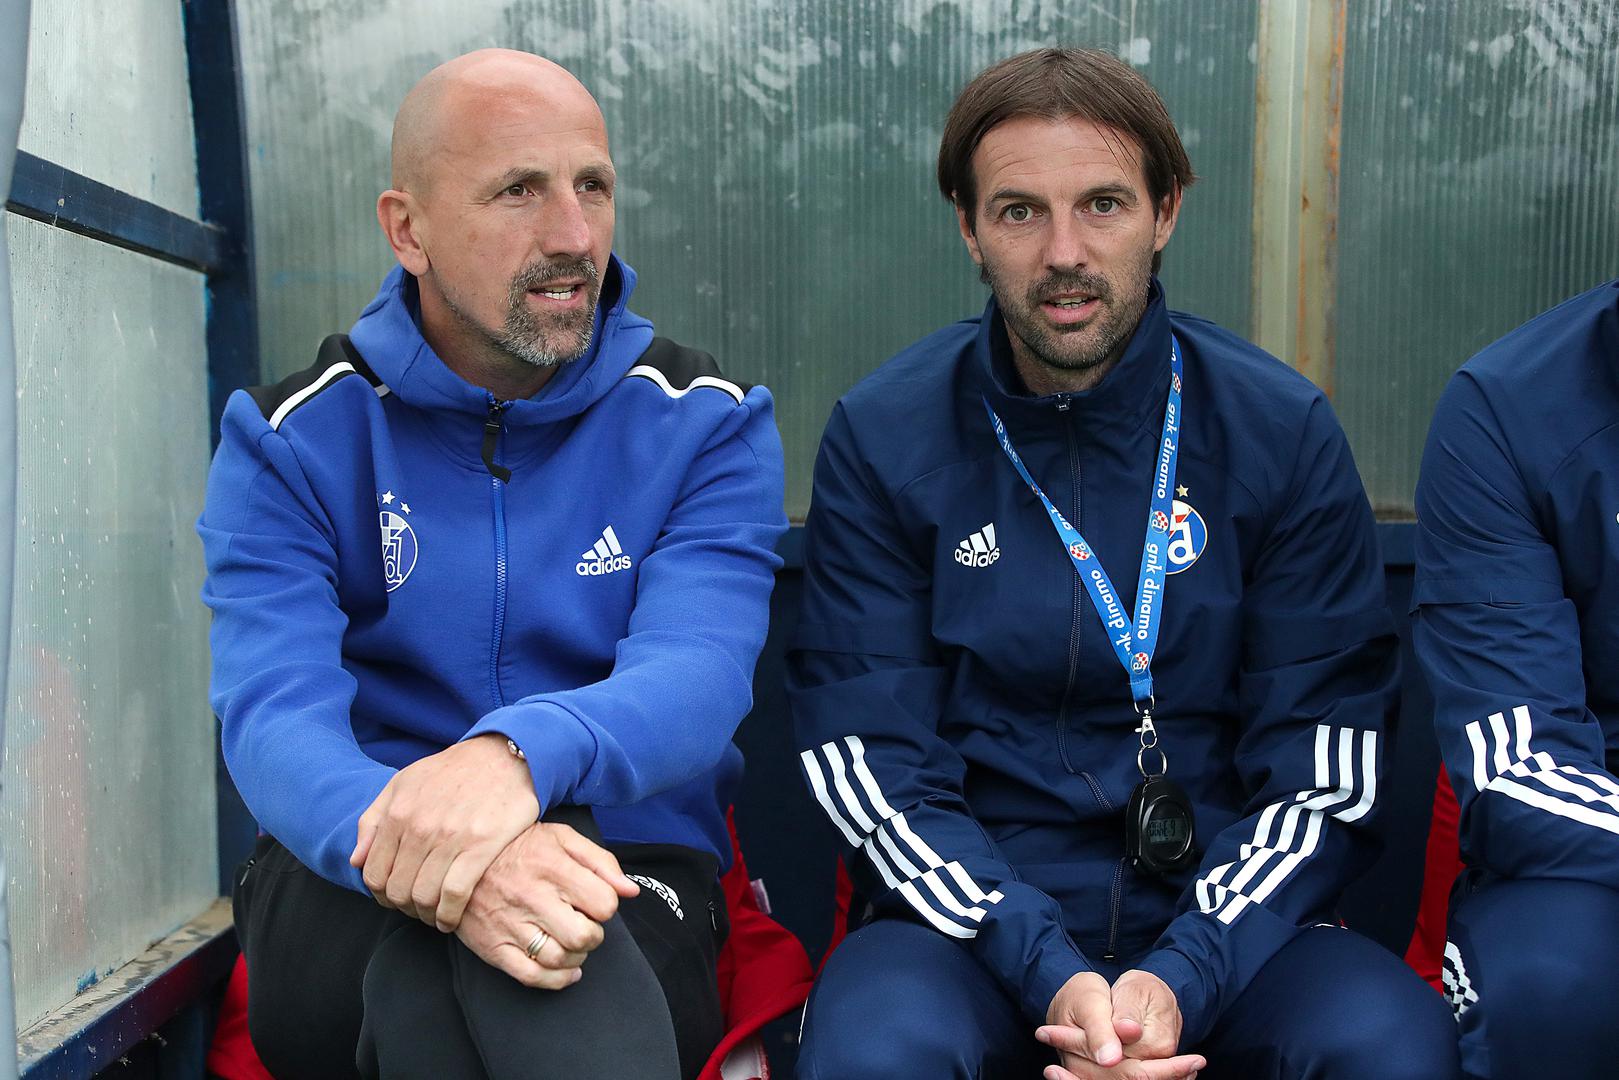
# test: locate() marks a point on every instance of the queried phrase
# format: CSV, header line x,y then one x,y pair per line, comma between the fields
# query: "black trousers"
x,y
341,987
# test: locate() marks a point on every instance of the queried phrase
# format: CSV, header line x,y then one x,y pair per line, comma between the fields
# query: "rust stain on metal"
x,y
1320,144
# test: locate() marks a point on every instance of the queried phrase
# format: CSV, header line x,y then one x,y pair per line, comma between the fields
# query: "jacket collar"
x,y
1127,396
388,337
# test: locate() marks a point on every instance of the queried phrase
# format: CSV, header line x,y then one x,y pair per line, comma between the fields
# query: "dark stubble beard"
x,y
531,337
1066,350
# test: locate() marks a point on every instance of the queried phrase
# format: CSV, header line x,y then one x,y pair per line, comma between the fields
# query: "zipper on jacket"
x,y
491,437
1096,790
1117,902
1077,601
498,476
1116,894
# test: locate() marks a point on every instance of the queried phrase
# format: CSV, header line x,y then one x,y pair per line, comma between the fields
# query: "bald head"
x,y
502,210
461,99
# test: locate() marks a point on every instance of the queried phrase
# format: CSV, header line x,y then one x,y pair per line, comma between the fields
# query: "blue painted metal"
x,y
1398,539
61,197
212,59
106,1040
223,183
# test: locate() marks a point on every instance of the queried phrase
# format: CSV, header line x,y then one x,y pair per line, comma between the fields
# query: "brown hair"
x,y
1056,84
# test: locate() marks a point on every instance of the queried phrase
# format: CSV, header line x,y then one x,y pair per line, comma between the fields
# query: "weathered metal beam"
x,y
45,191
94,1029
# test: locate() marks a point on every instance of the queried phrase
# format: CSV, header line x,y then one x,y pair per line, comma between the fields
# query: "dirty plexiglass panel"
x,y
776,161
1480,186
108,799
107,97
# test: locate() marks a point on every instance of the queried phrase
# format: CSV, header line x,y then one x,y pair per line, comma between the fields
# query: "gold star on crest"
x,y
1180,490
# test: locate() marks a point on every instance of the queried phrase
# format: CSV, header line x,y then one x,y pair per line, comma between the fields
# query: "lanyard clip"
x,y
1149,742
1146,729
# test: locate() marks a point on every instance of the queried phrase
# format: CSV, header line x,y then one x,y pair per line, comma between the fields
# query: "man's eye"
x,y
516,190
1017,212
1105,205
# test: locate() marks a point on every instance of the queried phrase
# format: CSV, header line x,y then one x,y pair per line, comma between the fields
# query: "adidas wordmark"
x,y
979,550
605,557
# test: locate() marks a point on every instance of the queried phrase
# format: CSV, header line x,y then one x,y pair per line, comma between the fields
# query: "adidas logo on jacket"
x,y
979,549
606,557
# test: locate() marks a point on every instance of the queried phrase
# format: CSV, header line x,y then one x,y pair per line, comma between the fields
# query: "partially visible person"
x,y
1095,673
489,581
1517,631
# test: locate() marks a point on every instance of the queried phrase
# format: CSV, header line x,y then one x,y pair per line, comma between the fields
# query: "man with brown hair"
x,y
1101,820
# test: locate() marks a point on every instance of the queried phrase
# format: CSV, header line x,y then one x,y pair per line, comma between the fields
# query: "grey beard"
x,y
521,339
523,336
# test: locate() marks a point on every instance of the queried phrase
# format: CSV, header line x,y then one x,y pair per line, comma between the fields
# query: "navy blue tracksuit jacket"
x,y
965,723
1517,593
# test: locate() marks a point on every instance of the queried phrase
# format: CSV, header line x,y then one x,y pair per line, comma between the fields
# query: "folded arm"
x,y
1499,642
1318,692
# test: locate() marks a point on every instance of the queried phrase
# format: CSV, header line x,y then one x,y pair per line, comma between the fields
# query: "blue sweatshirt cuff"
x,y
558,747
1185,980
1055,967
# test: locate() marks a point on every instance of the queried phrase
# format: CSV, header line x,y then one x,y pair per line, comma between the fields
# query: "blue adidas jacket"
x,y
965,722
1517,593
378,594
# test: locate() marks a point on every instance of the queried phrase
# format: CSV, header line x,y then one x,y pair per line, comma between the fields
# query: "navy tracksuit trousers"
x,y
1532,970
901,1000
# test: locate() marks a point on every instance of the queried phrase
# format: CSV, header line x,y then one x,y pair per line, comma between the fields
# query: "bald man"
x,y
489,580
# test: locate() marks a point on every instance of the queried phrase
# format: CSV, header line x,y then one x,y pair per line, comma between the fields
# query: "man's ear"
x,y
968,236
400,217
1169,212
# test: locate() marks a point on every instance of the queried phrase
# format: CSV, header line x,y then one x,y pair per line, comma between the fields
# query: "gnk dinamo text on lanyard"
x,y
1159,831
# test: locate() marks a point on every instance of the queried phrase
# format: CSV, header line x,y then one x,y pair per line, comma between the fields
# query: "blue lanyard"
x,y
1133,642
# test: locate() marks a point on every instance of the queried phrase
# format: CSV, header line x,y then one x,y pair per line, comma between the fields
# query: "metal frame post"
x,y
13,83
1297,126
213,59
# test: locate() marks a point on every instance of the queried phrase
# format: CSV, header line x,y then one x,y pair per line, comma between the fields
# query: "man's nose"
x,y
563,228
1065,243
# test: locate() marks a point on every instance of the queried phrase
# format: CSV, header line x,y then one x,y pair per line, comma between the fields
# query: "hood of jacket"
x,y
388,336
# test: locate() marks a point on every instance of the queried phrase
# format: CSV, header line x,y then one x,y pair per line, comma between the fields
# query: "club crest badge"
x,y
1138,663
1188,536
1160,521
398,549
1078,551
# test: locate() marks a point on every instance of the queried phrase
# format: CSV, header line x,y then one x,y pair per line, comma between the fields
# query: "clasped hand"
x,y
452,840
428,837
549,879
1127,1031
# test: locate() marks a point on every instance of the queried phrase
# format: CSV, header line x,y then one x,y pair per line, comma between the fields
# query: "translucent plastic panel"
x,y
776,161
1480,186
108,794
107,96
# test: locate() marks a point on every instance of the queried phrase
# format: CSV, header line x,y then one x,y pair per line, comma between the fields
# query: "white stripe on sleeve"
x,y
1510,766
839,801
1289,832
900,856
